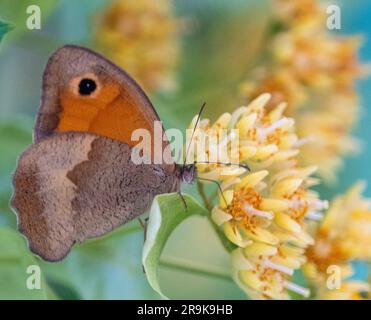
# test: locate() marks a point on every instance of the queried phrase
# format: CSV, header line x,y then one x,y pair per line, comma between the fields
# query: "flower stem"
x,y
195,268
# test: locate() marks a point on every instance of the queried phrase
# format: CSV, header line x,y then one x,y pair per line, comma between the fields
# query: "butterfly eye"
x,y
87,86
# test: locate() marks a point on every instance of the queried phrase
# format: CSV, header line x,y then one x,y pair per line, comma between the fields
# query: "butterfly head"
x,y
188,173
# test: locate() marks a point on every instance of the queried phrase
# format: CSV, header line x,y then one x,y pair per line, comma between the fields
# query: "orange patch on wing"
x,y
108,113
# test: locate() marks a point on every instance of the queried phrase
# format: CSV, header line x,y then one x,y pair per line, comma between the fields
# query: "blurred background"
x,y
190,52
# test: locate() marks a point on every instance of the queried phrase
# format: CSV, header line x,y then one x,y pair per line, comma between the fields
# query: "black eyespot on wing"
x,y
87,86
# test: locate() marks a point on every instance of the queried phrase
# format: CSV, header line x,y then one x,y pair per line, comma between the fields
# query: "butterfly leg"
x,y
218,185
183,200
144,225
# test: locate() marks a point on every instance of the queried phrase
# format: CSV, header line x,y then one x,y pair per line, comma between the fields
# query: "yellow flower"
x,y
343,235
251,134
281,84
141,37
300,15
345,232
328,136
262,212
267,223
264,271
315,72
319,59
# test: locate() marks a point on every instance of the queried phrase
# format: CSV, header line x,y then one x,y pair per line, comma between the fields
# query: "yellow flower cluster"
x,y
262,212
141,37
314,71
307,13
343,235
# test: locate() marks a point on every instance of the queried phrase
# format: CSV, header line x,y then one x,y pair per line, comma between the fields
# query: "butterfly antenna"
x,y
194,130
228,164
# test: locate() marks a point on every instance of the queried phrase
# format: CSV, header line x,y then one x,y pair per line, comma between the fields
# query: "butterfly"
x,y
77,180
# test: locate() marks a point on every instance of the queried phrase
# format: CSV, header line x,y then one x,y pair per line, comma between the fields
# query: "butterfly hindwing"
x,y
73,186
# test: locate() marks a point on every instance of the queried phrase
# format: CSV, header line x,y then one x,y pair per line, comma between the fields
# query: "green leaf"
x,y
4,28
15,258
110,267
103,268
166,213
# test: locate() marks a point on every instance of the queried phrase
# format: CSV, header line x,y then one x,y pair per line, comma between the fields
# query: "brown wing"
x,y
115,108
74,186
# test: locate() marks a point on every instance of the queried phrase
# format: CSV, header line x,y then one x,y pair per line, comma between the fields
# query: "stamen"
x,y
296,204
314,215
264,214
305,292
302,142
275,266
278,124
263,132
319,204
